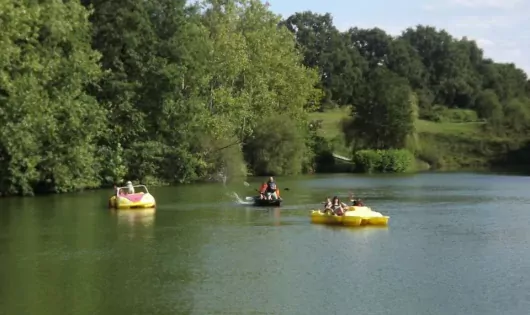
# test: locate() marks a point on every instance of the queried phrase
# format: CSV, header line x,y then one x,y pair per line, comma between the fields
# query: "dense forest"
x,y
163,91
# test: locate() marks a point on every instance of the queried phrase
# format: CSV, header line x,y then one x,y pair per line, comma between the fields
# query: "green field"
x,y
331,122
448,145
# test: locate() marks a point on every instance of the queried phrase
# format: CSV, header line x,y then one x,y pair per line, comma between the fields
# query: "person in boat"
x,y
130,188
272,189
357,203
263,191
328,205
336,206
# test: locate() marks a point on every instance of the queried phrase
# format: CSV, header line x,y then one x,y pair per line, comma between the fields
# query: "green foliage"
x,y
278,147
158,91
323,46
48,124
384,161
385,116
165,91
517,115
488,106
442,114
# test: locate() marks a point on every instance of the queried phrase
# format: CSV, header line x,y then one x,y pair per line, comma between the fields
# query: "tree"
x,y
324,48
451,65
384,117
517,115
48,124
489,107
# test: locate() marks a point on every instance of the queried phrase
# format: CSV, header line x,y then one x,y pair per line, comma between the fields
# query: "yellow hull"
x,y
122,203
381,221
318,217
321,218
352,221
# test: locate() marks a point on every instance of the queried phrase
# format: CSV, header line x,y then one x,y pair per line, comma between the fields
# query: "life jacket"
x,y
263,188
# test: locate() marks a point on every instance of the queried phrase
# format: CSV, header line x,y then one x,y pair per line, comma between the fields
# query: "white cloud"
x,y
498,4
482,22
473,4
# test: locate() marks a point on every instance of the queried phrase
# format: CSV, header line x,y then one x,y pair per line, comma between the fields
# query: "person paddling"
x,y
272,189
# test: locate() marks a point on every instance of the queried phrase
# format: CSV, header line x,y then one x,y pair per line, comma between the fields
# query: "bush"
x,y
383,161
439,113
460,115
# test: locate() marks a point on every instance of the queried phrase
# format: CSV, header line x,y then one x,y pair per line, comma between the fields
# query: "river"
x,y
457,243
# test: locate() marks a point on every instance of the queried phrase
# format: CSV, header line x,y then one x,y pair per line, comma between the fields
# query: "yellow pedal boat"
x,y
354,216
138,200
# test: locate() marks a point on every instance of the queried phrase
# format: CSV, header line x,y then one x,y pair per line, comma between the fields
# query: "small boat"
x,y
354,216
139,200
267,203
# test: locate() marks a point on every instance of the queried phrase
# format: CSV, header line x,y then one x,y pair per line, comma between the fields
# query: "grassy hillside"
x,y
448,145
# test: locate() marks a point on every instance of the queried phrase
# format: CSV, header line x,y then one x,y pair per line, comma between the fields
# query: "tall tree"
x,y
340,66
385,116
48,124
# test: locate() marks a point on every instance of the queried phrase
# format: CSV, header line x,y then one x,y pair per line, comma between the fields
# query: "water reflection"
x,y
445,246
136,217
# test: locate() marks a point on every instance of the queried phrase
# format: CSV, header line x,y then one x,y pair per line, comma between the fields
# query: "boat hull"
x,y
380,221
267,203
318,217
135,201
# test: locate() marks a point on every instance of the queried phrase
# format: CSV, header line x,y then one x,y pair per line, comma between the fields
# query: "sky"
x,y
500,27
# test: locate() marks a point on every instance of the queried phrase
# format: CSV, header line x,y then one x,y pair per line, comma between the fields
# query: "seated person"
x,y
130,188
337,206
263,191
271,189
357,203
328,205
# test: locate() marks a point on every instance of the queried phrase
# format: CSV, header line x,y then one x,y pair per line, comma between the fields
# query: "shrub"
x,y
384,161
439,113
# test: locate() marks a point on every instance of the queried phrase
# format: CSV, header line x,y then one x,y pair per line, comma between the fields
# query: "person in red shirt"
x,y
262,191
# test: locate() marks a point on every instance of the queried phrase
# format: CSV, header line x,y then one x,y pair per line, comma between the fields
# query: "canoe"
x,y
267,203
140,200
356,216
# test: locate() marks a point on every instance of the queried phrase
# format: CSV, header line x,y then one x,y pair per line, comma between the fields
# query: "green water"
x,y
455,244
